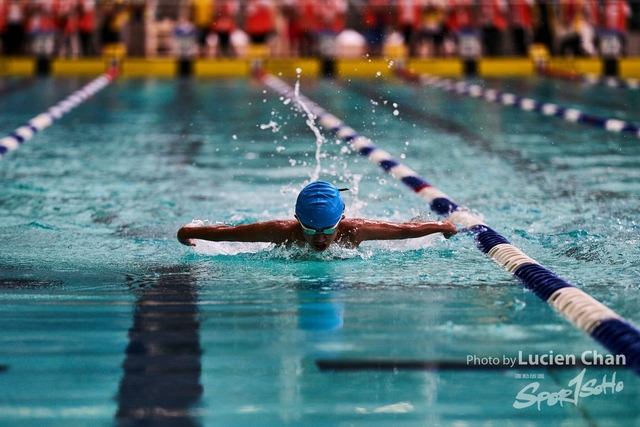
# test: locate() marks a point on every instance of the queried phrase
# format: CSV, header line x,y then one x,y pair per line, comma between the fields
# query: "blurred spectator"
x,y
375,19
309,25
41,27
615,17
493,24
115,16
576,32
290,10
332,15
331,21
3,20
588,33
460,18
350,44
521,25
433,26
409,19
224,24
460,15
185,38
202,14
87,26
67,23
259,20
3,12
570,20
15,28
164,36
544,24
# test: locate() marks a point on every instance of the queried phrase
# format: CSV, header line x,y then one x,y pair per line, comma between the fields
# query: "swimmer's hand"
x,y
183,237
449,229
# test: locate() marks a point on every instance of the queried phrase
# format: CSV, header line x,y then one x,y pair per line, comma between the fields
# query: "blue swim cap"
x,y
319,205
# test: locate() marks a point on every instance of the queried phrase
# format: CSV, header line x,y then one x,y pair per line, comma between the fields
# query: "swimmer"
x,y
319,221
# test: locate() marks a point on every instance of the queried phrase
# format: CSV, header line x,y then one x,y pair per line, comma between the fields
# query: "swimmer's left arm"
x,y
378,230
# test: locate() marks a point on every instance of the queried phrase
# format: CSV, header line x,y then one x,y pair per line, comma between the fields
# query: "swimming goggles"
x,y
313,231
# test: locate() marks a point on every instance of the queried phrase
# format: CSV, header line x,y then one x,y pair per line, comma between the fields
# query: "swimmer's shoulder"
x,y
349,227
284,230
356,224
282,223
349,223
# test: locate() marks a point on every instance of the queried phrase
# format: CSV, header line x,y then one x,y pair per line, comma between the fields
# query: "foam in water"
x,y
271,125
310,121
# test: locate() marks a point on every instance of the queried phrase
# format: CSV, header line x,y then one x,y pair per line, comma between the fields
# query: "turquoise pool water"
x,y
105,319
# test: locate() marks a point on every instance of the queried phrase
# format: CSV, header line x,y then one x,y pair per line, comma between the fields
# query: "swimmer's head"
x,y
319,205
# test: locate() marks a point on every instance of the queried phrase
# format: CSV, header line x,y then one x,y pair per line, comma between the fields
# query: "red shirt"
x,y
492,12
259,17
616,13
521,13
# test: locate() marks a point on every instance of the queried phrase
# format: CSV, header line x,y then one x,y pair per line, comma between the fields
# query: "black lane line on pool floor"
x,y
161,382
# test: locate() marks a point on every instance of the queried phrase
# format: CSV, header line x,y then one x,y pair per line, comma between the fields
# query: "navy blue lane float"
x,y
603,324
590,79
523,103
44,120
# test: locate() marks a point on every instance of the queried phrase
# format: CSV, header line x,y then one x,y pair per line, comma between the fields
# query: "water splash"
x,y
271,251
422,217
310,121
271,125
231,248
355,207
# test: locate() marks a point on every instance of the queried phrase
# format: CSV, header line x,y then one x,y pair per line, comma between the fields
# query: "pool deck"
x,y
341,68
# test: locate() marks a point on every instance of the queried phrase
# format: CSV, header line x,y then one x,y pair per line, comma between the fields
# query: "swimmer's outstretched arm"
x,y
269,231
379,230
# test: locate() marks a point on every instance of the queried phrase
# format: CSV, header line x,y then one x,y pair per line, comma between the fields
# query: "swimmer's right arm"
x,y
183,236
269,231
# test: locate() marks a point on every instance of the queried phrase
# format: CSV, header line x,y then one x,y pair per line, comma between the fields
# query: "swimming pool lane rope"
x,y
591,79
526,104
603,324
44,120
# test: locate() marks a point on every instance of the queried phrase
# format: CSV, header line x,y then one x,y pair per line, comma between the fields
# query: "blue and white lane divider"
x,y
44,120
614,82
591,79
526,104
607,81
588,314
